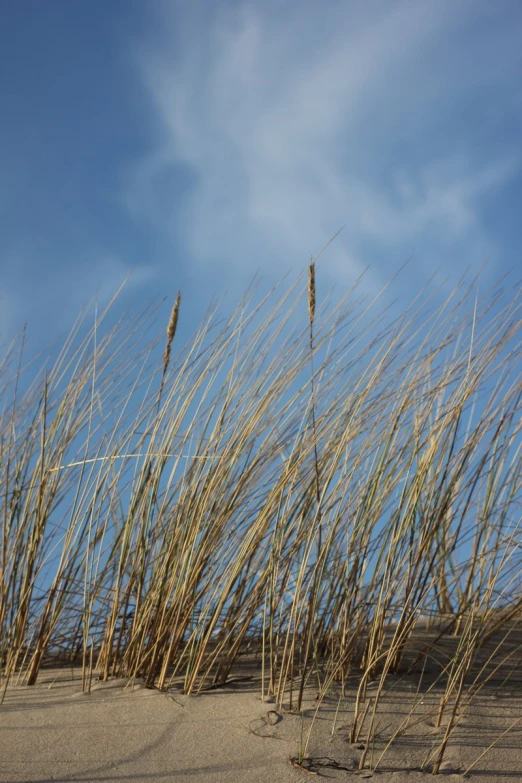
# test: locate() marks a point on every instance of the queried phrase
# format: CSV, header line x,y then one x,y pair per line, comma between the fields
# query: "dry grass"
x,y
311,493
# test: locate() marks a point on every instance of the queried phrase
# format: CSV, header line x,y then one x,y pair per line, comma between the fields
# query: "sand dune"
x,y
119,734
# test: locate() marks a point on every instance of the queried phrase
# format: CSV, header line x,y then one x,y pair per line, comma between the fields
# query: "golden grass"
x,y
160,518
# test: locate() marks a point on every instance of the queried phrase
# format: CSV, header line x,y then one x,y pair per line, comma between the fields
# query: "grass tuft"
x,y
340,497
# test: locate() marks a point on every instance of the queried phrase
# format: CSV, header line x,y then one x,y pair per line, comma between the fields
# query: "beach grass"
x,y
333,488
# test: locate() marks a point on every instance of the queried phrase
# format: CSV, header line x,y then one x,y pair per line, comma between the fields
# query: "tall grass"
x,y
307,487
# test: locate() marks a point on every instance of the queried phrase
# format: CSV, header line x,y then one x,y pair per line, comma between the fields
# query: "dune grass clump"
x,y
310,488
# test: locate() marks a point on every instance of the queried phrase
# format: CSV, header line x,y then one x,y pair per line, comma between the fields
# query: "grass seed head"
x,y
171,331
311,291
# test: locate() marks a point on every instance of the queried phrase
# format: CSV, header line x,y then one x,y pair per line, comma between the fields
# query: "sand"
x,y
54,732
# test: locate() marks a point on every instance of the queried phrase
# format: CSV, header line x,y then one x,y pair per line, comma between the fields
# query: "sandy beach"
x,y
54,732
122,732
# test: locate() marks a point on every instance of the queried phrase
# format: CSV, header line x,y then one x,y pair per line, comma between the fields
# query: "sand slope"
x,y
54,732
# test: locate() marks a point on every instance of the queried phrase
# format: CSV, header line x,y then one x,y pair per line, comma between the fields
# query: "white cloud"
x,y
112,273
287,119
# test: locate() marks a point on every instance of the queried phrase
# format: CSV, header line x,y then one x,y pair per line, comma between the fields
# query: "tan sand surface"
x,y
54,732
59,733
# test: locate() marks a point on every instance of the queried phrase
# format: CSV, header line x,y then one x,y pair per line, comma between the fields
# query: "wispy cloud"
x,y
289,120
113,273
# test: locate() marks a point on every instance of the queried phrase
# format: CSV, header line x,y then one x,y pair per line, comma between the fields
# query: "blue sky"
x,y
198,143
